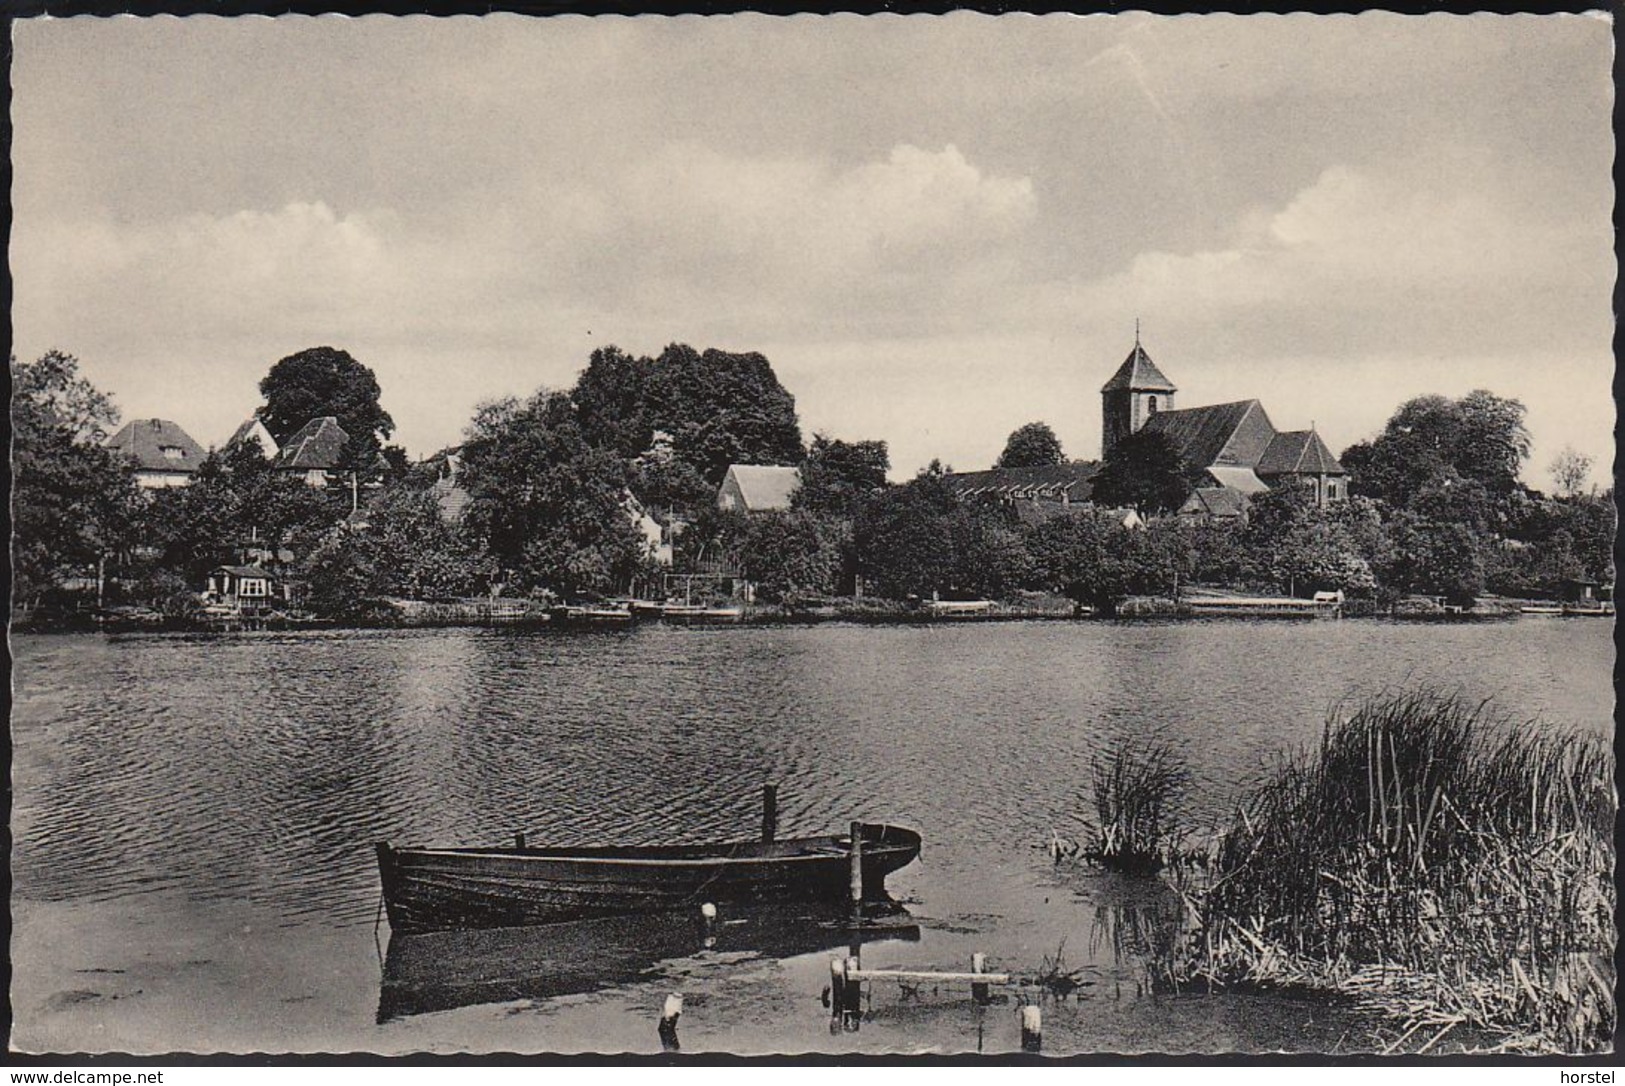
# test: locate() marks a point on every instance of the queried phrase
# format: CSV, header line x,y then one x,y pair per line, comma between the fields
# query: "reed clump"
x,y
1433,863
1137,788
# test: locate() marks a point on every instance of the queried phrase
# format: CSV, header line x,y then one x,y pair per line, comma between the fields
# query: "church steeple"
x,y
1135,392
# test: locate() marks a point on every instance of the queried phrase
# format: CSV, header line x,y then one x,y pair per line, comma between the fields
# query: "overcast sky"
x,y
936,228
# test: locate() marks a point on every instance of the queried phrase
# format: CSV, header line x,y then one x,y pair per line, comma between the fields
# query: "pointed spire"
x,y
1138,373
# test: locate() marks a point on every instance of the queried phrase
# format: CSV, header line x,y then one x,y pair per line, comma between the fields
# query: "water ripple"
x,y
262,768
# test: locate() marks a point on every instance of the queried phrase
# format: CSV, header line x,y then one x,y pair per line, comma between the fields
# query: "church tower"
x,y
1136,391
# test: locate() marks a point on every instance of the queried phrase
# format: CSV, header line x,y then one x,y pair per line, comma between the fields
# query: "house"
x,y
1062,484
161,453
313,452
1234,446
657,539
756,488
243,588
447,489
254,430
1214,503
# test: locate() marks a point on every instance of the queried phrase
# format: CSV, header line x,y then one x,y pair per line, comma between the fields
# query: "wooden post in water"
x,y
1032,1028
978,964
857,870
770,813
669,1014
519,839
852,989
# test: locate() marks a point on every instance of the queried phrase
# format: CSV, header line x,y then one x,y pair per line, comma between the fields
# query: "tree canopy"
x,y
1033,445
1144,471
837,475
324,381
72,501
548,506
1480,437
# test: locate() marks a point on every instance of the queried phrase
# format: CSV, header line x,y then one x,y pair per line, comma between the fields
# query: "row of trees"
x,y
1437,508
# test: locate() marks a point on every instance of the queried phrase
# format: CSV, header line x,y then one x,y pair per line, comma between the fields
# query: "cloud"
x,y
1362,260
702,226
203,273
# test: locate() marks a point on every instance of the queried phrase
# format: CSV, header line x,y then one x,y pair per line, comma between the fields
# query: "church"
x,y
1233,448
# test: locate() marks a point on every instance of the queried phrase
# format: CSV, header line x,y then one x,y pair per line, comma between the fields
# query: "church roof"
x,y
1223,433
1299,452
1138,374
157,445
316,446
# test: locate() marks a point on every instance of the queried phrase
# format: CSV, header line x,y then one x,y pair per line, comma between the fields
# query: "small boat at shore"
x,y
440,889
695,614
596,615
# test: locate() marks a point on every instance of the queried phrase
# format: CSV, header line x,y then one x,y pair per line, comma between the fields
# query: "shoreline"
x,y
1137,609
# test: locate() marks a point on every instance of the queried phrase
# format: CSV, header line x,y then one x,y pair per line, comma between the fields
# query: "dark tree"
x,y
1085,557
549,507
1480,437
613,401
1033,445
903,541
1144,471
838,475
721,409
323,381
789,553
403,547
72,501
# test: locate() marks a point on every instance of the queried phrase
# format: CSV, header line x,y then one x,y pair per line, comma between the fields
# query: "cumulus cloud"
x,y
1360,260
218,271
737,230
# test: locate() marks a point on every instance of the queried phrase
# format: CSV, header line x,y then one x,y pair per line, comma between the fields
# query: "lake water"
x,y
193,820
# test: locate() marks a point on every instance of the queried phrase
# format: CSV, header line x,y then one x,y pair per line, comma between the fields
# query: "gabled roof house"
x,y
755,488
254,430
314,450
161,453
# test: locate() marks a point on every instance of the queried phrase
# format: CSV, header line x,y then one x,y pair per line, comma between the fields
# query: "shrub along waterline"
x,y
1431,861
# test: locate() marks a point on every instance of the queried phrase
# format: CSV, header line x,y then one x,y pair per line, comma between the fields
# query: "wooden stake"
x,y
851,988
978,965
837,986
669,1014
770,812
519,839
1032,1028
857,867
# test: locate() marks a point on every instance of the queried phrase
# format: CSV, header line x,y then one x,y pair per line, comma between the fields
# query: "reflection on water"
x,y
444,970
192,778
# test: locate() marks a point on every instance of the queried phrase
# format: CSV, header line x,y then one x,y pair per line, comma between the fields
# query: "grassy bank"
x,y
1431,862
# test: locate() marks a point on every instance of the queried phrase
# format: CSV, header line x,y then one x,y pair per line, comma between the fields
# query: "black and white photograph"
x,y
1024,537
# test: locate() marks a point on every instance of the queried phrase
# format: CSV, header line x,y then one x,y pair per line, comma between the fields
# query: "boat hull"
x,y
460,889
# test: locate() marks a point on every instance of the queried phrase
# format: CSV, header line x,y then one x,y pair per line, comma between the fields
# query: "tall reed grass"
x,y
1432,861
1137,787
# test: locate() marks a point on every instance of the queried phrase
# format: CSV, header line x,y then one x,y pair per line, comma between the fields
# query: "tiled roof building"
x,y
753,488
314,450
161,453
1234,445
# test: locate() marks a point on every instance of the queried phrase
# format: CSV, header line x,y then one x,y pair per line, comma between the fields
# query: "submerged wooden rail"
x,y
923,974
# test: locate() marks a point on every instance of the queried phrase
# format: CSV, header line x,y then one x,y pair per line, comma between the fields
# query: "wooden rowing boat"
x,y
439,889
